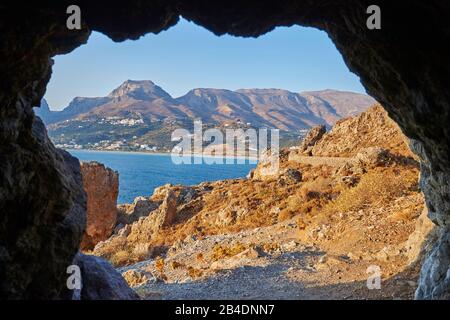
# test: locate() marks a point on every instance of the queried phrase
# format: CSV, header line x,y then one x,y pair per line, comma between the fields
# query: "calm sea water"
x,y
140,173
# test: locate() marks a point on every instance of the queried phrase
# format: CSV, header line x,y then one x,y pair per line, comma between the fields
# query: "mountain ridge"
x,y
274,108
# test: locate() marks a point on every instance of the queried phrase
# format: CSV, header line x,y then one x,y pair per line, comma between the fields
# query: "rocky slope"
x,y
273,108
371,128
311,230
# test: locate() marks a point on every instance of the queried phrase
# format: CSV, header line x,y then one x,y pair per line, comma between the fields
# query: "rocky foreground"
x,y
342,202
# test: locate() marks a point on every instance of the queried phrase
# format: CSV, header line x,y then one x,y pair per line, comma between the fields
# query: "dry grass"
x,y
194,272
271,247
176,265
200,257
120,258
319,199
221,252
376,189
160,265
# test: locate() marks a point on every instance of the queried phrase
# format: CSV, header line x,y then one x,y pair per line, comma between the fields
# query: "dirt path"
x,y
317,161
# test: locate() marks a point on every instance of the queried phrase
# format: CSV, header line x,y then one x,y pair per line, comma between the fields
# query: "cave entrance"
x,y
338,191
403,64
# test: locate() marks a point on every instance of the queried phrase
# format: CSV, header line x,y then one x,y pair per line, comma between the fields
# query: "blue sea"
x,y
141,173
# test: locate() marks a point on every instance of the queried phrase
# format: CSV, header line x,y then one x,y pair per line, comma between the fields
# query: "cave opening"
x,y
414,97
127,133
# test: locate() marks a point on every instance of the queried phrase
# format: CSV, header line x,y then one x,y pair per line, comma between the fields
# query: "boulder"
x,y
230,215
100,281
314,135
366,158
268,166
101,185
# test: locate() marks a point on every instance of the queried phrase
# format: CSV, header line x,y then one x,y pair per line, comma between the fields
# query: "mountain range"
x,y
272,108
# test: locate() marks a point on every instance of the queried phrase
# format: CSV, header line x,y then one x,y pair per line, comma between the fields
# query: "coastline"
x,y
150,153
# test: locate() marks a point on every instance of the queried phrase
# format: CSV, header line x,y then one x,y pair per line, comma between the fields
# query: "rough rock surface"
x,y
100,281
314,135
42,215
136,278
420,242
141,207
167,212
400,65
435,274
102,188
352,136
268,165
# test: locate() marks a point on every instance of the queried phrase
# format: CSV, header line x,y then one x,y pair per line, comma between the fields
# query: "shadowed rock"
x,y
100,281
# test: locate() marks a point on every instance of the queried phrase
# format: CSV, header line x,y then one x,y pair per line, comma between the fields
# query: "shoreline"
x,y
166,154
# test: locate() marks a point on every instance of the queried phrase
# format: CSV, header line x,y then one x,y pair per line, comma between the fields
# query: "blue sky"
x,y
188,56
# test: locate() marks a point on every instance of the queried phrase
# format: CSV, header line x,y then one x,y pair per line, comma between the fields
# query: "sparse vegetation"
x,y
194,273
221,252
159,265
376,189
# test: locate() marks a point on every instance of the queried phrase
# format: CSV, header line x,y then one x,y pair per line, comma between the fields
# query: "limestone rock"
x,y
186,195
135,277
229,215
419,242
167,212
101,185
141,207
372,156
313,136
365,159
100,281
351,136
268,167
160,192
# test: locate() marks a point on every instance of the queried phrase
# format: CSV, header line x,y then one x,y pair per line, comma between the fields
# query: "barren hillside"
x,y
309,231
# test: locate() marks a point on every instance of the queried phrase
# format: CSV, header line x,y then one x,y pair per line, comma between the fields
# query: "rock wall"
x,y
42,216
101,185
405,66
